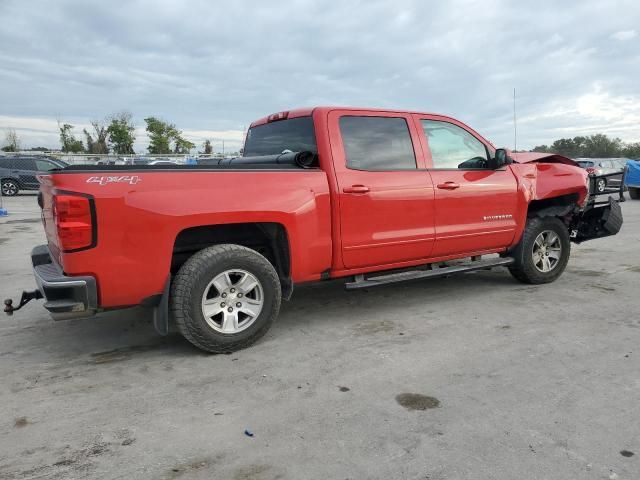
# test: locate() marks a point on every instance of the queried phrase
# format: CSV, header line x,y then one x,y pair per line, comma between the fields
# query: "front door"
x,y
475,206
386,201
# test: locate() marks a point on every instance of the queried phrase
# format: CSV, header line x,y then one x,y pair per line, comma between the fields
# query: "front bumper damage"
x,y
598,219
65,297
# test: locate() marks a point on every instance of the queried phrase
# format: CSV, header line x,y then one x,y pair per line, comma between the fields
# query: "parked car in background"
x,y
111,161
162,162
602,166
136,161
18,172
632,179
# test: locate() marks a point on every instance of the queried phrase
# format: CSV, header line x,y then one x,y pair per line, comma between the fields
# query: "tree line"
x,y
592,146
116,134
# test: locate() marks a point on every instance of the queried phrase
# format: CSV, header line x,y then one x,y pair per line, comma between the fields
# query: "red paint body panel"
x,y
138,224
400,219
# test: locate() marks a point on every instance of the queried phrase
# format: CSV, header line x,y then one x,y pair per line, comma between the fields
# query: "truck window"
x,y
377,143
295,135
453,147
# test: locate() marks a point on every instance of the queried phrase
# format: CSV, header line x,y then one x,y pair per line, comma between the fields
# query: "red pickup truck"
x,y
372,196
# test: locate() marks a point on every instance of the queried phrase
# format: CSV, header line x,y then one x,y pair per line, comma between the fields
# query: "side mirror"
x,y
500,159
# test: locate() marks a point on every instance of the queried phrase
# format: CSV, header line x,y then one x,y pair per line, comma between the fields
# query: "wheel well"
x,y
559,206
268,239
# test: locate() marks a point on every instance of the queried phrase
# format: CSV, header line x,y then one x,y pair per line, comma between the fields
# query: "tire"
x,y
10,188
601,185
530,265
222,276
634,193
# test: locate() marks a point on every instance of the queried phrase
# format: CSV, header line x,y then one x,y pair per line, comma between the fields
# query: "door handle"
x,y
356,189
448,186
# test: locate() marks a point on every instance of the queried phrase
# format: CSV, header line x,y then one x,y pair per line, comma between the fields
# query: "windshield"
x,y
295,135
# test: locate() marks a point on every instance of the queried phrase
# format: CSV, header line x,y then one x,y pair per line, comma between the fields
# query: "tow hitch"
x,y
26,298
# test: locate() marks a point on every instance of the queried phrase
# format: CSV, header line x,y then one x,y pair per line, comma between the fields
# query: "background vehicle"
x,y
19,172
601,166
162,162
136,161
632,179
373,196
110,161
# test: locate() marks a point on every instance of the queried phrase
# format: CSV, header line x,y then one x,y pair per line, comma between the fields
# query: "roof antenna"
x,y
515,130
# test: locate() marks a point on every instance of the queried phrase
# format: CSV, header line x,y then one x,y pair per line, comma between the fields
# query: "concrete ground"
x,y
469,377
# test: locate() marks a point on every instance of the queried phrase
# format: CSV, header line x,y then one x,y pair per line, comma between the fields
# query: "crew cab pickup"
x,y
371,196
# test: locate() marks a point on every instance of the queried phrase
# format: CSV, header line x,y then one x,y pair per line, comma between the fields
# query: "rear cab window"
x,y
377,143
281,136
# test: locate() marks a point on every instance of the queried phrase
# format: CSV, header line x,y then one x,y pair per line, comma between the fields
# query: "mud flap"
x,y
598,222
161,311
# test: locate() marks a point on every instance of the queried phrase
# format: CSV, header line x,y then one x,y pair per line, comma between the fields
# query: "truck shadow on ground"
x,y
121,335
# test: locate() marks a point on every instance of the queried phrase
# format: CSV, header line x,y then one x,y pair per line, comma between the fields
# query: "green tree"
x,y
163,134
208,149
631,150
121,133
599,145
566,147
97,143
182,145
541,148
68,141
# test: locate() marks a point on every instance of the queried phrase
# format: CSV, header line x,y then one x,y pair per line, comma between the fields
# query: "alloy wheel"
x,y
547,251
232,301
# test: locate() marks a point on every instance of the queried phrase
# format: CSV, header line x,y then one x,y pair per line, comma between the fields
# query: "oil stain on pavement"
x,y
416,401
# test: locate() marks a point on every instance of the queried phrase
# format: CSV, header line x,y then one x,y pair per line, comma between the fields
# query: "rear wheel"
x,y
9,187
601,185
225,297
543,252
634,193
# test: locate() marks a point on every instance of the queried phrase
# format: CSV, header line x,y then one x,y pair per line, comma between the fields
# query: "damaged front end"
x,y
599,218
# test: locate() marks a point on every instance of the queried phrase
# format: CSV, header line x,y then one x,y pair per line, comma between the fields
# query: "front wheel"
x,y
225,298
634,193
9,188
543,252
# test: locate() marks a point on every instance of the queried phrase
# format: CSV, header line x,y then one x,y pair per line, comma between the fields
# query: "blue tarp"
x,y
633,173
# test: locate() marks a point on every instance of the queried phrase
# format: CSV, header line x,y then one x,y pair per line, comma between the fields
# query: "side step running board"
x,y
362,282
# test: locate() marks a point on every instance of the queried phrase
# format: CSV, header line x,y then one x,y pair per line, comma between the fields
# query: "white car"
x,y
162,162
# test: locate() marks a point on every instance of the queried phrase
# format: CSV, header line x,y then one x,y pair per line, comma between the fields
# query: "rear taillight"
x,y
74,217
591,170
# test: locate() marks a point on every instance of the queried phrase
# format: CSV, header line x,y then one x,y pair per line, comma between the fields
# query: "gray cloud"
x,y
212,68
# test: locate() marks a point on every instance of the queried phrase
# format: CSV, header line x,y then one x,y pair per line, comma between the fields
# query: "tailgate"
x,y
45,201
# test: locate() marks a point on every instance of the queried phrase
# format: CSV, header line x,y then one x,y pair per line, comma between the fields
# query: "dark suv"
x,y
19,172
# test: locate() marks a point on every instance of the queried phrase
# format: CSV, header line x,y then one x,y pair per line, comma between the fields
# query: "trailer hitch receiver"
x,y
24,299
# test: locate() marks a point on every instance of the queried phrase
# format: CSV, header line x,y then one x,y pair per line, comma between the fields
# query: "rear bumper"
x,y
65,297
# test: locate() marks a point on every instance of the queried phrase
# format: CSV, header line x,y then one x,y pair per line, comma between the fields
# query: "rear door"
x,y
385,195
25,169
475,207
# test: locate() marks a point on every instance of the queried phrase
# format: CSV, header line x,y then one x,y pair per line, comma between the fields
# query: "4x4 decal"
x,y
130,179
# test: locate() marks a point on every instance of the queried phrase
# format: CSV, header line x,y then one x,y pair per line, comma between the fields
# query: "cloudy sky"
x,y
213,67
